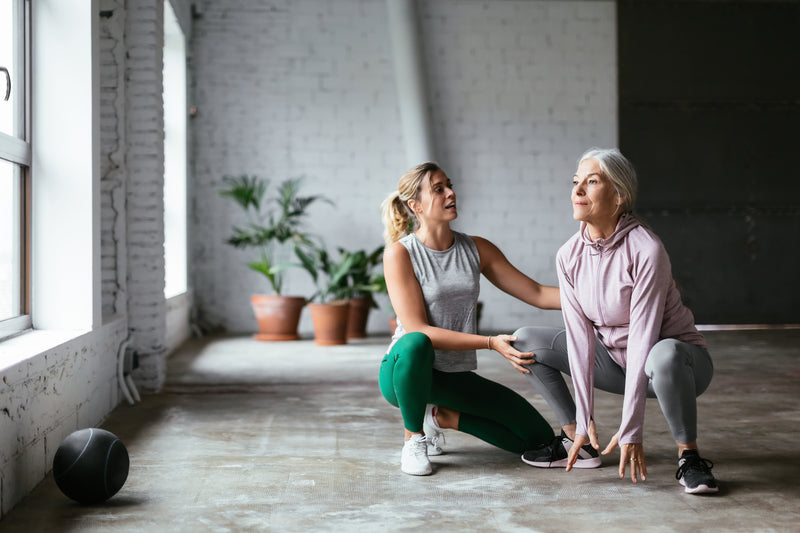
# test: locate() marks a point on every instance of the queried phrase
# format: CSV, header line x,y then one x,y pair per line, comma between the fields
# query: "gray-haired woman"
x,y
627,332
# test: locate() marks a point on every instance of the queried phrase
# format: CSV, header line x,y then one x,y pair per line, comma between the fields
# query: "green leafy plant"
x,y
332,277
275,226
365,281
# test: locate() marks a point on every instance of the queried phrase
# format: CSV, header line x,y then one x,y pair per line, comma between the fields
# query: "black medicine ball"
x,y
91,465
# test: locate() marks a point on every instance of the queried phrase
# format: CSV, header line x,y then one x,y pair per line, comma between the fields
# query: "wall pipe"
x,y
123,386
412,91
124,378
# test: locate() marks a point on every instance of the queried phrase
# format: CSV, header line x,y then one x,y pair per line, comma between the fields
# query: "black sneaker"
x,y
554,455
694,473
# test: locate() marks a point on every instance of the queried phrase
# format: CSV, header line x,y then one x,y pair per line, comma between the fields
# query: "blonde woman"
x,y
432,274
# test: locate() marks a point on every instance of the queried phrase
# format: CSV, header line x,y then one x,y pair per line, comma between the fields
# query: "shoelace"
x,y
553,446
420,447
703,465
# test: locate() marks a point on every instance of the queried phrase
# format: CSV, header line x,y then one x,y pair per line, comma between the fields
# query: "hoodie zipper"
x,y
597,294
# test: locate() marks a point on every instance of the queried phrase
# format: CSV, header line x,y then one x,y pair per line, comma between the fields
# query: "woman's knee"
x,y
409,361
414,342
414,349
531,338
548,345
666,358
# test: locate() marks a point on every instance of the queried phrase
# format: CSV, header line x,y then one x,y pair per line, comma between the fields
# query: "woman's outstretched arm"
x,y
506,277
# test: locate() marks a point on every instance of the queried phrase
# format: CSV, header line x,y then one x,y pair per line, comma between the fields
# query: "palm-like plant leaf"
x,y
247,191
273,222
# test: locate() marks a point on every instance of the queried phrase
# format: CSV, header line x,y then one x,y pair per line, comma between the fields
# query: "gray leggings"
x,y
678,372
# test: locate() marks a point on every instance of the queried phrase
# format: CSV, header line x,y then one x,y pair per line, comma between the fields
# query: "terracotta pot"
x,y
357,320
277,316
330,322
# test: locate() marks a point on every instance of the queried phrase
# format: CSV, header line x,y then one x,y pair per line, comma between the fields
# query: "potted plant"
x,y
364,282
275,229
330,304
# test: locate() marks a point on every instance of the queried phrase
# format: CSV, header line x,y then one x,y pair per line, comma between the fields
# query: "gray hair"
x,y
618,170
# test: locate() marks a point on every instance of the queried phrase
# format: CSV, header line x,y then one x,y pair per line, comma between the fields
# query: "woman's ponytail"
x,y
396,218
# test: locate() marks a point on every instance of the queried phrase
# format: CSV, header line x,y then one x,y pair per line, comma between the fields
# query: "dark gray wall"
x,y
710,115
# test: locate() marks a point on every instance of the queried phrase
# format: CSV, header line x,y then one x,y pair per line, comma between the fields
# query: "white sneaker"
x,y
433,433
414,460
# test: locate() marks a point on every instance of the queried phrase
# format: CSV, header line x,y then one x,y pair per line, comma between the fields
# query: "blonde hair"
x,y
398,218
618,170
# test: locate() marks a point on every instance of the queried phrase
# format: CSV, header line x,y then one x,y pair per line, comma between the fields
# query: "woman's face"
x,y
436,200
594,199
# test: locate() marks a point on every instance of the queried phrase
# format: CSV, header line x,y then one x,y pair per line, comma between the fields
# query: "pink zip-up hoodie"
x,y
621,290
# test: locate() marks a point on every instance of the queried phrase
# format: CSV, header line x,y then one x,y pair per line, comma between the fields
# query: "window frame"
x,y
16,149
176,271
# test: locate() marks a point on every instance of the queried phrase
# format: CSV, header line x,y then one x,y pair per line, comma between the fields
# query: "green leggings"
x,y
490,411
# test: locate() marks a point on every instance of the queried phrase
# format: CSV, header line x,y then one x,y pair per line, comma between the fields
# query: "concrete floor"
x,y
290,436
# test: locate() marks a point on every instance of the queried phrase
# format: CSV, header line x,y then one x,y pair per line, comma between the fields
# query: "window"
x,y
175,262
15,162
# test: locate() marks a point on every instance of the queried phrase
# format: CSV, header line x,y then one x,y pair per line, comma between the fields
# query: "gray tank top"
x,y
450,283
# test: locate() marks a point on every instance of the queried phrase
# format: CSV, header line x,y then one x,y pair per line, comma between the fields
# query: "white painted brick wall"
x,y
43,399
112,158
287,89
518,89
146,307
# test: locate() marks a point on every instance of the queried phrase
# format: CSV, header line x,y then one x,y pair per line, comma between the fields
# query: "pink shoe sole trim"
x,y
594,462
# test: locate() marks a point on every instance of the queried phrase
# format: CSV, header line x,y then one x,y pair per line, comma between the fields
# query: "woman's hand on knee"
x,y
519,360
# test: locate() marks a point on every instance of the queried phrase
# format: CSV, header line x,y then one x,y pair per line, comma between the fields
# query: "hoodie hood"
x,y
624,225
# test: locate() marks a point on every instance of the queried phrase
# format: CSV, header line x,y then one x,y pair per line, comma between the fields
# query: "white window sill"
x,y
27,345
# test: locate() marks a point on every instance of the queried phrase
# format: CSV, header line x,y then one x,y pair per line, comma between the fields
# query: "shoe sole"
x,y
418,472
594,462
700,489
